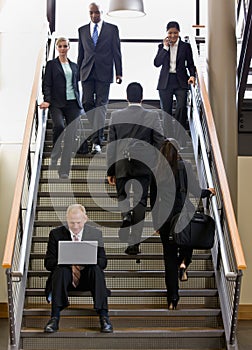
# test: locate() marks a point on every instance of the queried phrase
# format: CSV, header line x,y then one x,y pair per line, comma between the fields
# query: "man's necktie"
x,y
95,34
76,269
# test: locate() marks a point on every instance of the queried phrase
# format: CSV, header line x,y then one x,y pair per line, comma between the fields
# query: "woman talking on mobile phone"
x,y
177,72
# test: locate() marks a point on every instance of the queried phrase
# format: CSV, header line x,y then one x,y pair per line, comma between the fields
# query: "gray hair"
x,y
75,207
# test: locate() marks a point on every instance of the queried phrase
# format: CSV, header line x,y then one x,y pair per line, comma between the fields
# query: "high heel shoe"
x,y
172,304
183,276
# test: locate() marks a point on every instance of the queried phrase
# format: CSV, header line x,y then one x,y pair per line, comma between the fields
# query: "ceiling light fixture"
x,y
126,8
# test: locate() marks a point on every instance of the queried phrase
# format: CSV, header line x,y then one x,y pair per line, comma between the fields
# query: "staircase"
x,y
138,308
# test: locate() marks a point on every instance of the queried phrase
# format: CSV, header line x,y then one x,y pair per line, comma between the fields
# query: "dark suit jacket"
x,y
54,83
103,56
63,234
184,61
138,123
171,200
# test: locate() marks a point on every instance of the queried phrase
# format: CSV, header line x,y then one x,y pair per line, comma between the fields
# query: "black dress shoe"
x,y
106,326
52,325
132,250
124,231
126,222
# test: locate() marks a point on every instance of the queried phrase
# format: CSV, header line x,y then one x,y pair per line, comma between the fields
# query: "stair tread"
x,y
139,273
136,332
134,292
106,223
107,239
182,311
121,256
76,194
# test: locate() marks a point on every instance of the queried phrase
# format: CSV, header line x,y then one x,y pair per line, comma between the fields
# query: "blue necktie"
x,y
95,34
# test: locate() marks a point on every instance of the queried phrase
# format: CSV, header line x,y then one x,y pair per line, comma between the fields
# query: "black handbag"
x,y
198,232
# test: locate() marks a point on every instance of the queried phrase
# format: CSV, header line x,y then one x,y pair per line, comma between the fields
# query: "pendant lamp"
x,y
126,8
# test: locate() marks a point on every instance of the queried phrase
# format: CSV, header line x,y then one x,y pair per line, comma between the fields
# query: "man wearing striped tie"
x,y
99,52
64,278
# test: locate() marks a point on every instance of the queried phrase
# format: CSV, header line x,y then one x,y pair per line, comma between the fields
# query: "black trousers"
x,y
92,279
173,257
166,101
140,185
95,95
65,122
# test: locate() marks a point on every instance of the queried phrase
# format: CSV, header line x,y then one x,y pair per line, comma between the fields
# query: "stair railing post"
x,y
234,320
12,330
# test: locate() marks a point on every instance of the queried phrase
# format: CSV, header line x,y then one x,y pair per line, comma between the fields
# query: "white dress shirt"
x,y
173,55
79,235
99,26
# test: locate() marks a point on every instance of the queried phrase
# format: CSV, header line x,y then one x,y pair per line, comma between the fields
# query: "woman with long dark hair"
x,y
171,201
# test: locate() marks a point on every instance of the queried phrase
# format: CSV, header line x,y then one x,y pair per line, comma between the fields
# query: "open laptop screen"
x,y
77,253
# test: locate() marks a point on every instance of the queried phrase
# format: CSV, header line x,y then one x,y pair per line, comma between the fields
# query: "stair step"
x,y
80,167
152,239
88,208
133,274
137,338
38,292
100,223
120,256
137,333
186,311
71,180
62,194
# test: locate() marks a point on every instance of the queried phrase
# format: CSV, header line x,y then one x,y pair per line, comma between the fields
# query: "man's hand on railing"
x,y
44,105
191,80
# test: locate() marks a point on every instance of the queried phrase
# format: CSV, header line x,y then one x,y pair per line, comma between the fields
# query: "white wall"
x,y
22,29
244,222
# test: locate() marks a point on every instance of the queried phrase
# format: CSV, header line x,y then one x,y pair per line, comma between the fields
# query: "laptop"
x,y
77,253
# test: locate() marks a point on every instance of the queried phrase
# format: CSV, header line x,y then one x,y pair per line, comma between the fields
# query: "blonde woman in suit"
x,y
62,97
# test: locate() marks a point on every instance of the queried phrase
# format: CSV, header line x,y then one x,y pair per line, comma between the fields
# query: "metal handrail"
x,y
227,252
196,120
216,153
33,183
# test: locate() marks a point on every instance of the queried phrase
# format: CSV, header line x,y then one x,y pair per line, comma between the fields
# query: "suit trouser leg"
x,y
93,279
166,102
61,281
123,185
181,115
102,95
58,121
153,204
140,188
171,266
95,100
72,113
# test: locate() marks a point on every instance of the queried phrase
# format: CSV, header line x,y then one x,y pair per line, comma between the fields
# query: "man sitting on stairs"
x,y
65,278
